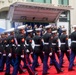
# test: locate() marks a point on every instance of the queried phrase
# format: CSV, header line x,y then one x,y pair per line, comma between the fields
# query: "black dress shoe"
x,y
24,67
35,70
62,66
1,71
74,64
7,74
51,64
49,67
71,70
37,65
45,73
23,71
35,73
60,71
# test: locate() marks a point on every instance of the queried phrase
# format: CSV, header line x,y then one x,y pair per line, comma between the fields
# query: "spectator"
x,y
60,30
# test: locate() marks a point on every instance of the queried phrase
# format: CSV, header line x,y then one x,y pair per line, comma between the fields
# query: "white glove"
x,y
43,52
9,55
0,52
50,54
69,50
31,52
22,56
4,54
27,51
59,51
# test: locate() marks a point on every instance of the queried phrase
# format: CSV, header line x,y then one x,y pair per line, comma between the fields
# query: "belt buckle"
x,y
0,52
13,44
18,45
46,43
7,45
24,45
53,43
37,45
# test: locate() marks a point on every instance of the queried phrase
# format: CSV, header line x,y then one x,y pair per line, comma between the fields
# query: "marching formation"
x,y
19,46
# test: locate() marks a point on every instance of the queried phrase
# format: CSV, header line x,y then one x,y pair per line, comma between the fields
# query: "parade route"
x,y
52,70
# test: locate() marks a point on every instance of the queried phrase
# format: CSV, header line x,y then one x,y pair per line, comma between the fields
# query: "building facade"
x,y
67,19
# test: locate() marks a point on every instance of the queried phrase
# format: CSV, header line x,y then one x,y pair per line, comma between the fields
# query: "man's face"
x,y
2,35
49,30
64,32
6,35
55,34
38,32
31,33
12,33
22,31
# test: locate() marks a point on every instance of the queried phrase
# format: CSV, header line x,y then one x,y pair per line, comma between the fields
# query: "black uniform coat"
x,y
38,41
47,39
55,41
1,47
64,39
12,44
6,46
28,45
21,44
73,38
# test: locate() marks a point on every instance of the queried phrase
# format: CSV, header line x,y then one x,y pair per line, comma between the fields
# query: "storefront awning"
x,y
35,12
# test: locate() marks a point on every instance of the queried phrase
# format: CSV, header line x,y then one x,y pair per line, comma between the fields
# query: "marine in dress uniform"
x,y
73,48
1,49
1,52
55,43
47,48
38,48
3,58
7,52
64,46
12,45
29,48
20,52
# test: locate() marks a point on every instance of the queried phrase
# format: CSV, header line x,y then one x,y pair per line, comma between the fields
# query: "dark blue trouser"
x,y
17,64
3,61
8,62
41,57
45,66
57,66
35,61
61,57
58,55
72,57
24,62
45,63
13,62
32,55
28,59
